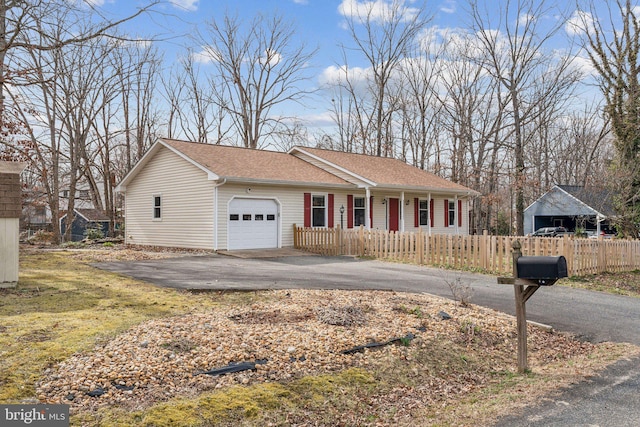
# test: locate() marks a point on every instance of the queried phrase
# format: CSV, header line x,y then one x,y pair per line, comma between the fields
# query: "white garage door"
x,y
253,224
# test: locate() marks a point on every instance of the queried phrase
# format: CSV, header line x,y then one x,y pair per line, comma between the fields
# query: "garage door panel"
x,y
253,224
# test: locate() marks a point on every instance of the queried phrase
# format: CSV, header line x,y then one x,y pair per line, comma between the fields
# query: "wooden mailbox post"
x,y
540,271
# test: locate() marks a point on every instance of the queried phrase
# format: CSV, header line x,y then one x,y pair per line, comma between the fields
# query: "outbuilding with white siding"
x,y
10,209
204,196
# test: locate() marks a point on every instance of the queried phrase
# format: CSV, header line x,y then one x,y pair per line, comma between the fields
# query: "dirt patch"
x,y
290,332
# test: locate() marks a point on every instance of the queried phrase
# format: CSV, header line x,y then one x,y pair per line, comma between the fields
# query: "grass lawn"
x,y
460,374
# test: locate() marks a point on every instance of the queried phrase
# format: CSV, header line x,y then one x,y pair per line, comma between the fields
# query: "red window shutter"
x,y
416,212
350,211
330,213
371,211
307,209
446,213
431,213
459,213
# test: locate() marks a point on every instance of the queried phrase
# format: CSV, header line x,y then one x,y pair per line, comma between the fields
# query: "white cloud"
x,y
449,6
584,64
189,5
206,55
301,1
377,10
271,57
579,23
333,75
526,18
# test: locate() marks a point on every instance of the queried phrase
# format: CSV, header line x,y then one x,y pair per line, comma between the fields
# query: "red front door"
x,y
394,214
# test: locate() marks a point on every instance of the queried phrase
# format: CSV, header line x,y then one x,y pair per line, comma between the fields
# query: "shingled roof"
x,y
383,171
237,163
301,166
598,199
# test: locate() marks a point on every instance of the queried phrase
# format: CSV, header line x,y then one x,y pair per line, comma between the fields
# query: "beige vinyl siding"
x,y
186,209
439,227
380,213
9,229
291,207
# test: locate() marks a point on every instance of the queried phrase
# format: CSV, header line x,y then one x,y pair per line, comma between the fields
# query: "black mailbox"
x,y
543,269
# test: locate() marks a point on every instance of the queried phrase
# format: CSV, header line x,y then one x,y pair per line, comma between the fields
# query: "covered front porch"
x,y
401,211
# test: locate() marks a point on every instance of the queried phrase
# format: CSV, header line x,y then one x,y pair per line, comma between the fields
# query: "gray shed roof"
x,y
573,200
600,200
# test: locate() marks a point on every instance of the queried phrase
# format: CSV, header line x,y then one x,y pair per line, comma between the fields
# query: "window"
x,y
319,211
83,194
246,217
452,213
157,207
423,212
259,217
358,211
234,217
271,217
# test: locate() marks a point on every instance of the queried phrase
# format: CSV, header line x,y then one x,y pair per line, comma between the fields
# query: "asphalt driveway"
x,y
612,398
595,316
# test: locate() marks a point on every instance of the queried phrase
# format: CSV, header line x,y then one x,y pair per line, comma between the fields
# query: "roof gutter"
x,y
241,180
440,190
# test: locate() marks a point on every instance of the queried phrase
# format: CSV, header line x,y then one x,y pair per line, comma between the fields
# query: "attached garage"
x,y
225,198
253,223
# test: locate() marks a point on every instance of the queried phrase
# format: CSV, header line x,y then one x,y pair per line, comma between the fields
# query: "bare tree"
x,y
385,36
419,108
473,117
585,149
516,55
18,17
259,66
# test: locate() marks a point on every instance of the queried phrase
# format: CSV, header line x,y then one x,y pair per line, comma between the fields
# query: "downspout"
x,y
215,212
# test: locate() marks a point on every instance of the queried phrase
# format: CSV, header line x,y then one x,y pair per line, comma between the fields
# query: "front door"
x,y
394,205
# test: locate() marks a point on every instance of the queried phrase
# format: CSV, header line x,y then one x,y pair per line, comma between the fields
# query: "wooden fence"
x,y
482,252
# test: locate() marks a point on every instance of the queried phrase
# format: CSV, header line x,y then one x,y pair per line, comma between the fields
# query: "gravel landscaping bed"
x,y
290,334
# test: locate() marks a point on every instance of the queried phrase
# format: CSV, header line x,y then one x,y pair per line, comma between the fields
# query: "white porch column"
x,y
367,211
402,211
430,214
457,215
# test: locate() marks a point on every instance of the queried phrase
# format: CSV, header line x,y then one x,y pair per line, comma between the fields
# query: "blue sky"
x,y
319,23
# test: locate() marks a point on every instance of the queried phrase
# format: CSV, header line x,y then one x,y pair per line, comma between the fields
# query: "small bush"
x,y
462,292
108,244
341,316
93,234
41,236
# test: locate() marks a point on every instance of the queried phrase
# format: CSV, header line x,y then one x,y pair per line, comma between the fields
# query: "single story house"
x,y
85,219
571,207
192,195
10,209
